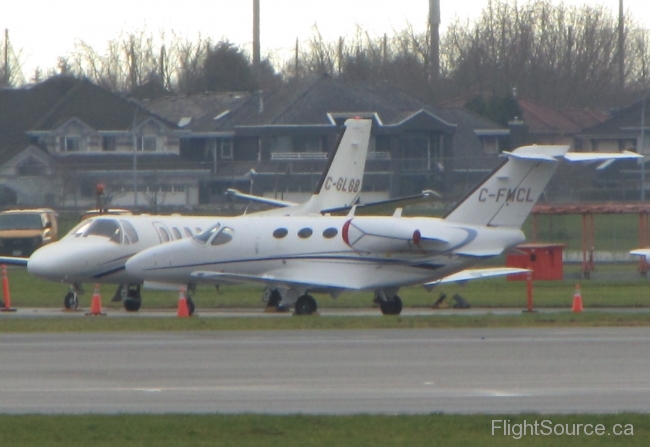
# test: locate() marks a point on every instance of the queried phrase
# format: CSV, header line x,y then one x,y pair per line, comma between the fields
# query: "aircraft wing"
x,y
471,274
231,192
386,206
286,277
11,260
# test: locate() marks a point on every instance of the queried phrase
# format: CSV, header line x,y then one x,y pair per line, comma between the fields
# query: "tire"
x,y
306,305
132,304
391,307
70,301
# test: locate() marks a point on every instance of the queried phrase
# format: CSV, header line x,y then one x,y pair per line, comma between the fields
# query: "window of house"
x,y
30,168
147,143
226,148
491,145
70,144
109,144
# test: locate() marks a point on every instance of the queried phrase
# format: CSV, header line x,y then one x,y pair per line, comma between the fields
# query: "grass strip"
x,y
305,430
141,324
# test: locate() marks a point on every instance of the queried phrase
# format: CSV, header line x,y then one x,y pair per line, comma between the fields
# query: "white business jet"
x,y
96,250
299,255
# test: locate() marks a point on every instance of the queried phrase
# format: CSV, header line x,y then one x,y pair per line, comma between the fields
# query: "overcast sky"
x,y
44,30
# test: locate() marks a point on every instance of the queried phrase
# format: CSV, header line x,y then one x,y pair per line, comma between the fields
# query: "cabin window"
x,y
130,235
177,233
223,237
108,228
280,233
187,231
330,233
164,234
305,233
204,237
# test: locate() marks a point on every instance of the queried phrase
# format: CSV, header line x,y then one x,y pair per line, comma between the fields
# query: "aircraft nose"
x,y
44,263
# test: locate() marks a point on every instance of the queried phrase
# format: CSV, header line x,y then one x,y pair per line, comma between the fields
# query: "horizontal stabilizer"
x,y
471,274
11,260
231,192
600,156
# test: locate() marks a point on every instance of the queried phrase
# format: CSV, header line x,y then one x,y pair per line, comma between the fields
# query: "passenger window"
x,y
280,233
188,232
177,234
330,233
305,233
224,237
107,228
129,232
164,235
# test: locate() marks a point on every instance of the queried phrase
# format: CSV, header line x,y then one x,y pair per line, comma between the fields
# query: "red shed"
x,y
545,260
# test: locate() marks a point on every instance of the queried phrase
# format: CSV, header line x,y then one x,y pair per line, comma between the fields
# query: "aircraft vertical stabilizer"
x,y
508,195
341,183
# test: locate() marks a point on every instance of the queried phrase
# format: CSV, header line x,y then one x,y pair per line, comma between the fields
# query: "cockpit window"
x,y
130,235
223,237
204,237
80,228
108,228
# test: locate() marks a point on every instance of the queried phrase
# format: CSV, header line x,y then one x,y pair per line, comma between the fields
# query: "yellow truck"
x,y
23,231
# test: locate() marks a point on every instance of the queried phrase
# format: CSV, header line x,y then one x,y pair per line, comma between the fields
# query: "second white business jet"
x,y
300,255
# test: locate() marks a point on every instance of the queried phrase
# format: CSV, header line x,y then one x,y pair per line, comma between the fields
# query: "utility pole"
x,y
434,33
256,38
621,46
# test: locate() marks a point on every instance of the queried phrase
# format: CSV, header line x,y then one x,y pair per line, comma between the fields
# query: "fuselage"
x,y
323,251
97,249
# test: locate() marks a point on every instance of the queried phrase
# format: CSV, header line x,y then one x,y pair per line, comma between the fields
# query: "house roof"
x,y
626,121
97,107
21,109
542,119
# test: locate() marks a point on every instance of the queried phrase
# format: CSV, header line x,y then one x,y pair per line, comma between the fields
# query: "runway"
x,y
592,370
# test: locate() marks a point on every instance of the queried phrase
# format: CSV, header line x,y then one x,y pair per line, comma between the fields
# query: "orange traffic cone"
x,y
5,292
96,303
577,300
183,311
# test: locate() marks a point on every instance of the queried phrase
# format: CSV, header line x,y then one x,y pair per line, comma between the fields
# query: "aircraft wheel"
x,y
71,301
190,306
391,307
306,305
132,304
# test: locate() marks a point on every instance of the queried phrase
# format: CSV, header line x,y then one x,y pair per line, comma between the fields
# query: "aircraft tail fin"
x,y
508,195
341,183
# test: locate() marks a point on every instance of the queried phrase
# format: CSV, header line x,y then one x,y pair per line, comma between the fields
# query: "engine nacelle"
x,y
376,236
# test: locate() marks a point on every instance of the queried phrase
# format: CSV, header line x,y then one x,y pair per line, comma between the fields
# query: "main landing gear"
x,y
389,306
305,305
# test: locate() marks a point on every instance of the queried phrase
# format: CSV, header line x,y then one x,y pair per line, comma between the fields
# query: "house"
x,y
69,135
277,144
73,135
